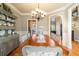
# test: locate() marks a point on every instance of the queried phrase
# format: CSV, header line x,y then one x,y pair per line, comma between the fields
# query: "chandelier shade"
x,y
38,13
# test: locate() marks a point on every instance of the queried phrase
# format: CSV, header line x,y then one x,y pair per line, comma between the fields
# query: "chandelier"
x,y
38,13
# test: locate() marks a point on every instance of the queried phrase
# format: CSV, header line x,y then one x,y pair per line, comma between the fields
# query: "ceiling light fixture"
x,y
38,13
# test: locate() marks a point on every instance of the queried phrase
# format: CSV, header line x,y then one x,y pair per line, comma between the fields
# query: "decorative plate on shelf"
x,y
2,16
13,20
8,24
2,32
1,22
8,18
9,31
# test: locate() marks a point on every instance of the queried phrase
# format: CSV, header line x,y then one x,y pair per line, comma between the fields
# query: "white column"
x,y
66,29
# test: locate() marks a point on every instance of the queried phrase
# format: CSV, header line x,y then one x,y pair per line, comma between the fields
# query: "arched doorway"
x,y
56,28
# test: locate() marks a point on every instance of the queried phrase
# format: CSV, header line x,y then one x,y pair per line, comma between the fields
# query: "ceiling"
x,y
47,7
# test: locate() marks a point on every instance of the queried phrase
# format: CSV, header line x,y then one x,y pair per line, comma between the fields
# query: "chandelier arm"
x,y
38,14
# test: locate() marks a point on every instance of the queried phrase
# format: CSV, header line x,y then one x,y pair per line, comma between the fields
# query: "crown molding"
x,y
57,10
14,8
74,5
60,9
20,13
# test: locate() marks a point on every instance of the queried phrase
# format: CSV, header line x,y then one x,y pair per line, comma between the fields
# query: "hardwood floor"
x,y
18,50
74,51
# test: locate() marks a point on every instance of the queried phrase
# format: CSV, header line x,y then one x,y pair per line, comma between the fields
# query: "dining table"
x,y
33,41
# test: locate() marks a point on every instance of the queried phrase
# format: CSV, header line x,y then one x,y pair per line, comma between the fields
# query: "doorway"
x,y
56,25
32,26
56,28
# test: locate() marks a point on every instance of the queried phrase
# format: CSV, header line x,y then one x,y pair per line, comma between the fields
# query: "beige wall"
x,y
43,22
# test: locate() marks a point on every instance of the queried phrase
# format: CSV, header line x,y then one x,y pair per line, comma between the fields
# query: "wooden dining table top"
x,y
35,43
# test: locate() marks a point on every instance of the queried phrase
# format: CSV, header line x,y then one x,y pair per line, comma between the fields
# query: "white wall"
x,y
66,34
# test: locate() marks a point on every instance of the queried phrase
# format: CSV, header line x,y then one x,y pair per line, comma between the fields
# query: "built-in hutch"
x,y
7,19
9,39
75,24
